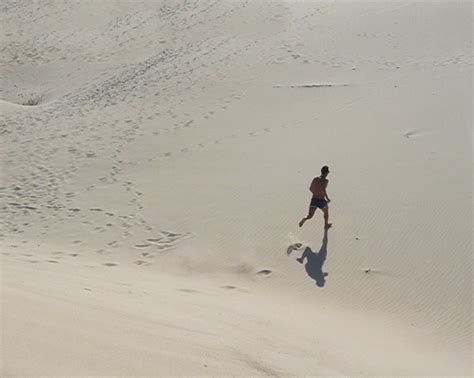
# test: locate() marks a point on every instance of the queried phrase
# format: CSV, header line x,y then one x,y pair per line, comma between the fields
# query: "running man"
x,y
320,198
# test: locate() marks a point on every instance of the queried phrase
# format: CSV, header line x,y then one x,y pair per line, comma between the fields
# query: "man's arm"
x,y
313,186
325,193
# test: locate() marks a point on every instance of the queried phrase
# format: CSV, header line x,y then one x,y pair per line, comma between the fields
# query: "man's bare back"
x,y
318,187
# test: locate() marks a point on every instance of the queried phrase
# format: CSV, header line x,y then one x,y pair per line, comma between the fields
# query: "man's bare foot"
x,y
328,226
302,222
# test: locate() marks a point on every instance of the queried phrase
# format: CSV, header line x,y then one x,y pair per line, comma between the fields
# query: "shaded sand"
x,y
156,162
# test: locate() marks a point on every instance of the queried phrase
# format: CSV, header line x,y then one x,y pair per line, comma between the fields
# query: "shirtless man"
x,y
320,198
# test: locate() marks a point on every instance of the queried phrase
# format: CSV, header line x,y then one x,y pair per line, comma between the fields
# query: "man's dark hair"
x,y
325,169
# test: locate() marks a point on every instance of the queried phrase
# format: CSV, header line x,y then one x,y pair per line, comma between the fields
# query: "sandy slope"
x,y
150,200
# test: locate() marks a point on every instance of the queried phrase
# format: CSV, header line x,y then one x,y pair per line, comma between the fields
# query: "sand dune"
x,y
156,161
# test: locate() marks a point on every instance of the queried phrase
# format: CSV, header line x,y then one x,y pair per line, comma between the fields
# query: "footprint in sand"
x,y
411,134
148,255
264,272
156,240
164,247
229,287
169,233
110,264
188,291
141,262
232,287
293,247
141,246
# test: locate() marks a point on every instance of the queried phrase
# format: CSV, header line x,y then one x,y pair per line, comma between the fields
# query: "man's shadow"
x,y
315,262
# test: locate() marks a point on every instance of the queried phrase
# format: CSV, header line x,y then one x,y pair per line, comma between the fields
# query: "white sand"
x,y
150,200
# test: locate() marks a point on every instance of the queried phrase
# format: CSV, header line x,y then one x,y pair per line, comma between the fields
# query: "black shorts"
x,y
318,202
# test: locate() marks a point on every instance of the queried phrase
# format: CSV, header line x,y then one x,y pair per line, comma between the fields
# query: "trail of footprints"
x,y
36,187
201,145
149,247
165,241
107,91
135,75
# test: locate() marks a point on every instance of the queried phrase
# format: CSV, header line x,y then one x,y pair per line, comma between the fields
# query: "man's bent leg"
x,y
309,216
326,218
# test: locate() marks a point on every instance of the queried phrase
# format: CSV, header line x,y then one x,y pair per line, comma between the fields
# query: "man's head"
x,y
324,171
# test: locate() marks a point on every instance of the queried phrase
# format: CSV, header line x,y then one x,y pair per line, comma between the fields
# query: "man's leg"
x,y
326,218
309,216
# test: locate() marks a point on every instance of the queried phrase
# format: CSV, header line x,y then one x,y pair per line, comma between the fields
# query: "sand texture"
x,y
156,160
